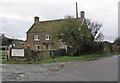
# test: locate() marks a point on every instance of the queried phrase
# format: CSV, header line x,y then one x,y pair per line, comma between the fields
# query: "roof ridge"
x,y
56,20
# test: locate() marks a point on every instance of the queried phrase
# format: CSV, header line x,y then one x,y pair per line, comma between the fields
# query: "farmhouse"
x,y
41,35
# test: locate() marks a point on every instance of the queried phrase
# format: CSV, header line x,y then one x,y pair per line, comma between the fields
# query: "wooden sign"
x,y
17,52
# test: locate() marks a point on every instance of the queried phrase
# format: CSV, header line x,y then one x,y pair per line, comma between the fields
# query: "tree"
x,y
74,35
100,37
117,41
79,36
68,16
94,27
70,35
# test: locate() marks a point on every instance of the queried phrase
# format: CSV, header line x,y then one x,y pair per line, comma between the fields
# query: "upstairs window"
x,y
36,37
48,37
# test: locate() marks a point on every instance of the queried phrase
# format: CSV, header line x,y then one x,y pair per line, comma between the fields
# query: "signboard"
x,y
17,52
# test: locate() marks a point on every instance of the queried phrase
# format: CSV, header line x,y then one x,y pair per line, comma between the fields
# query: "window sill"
x,y
36,40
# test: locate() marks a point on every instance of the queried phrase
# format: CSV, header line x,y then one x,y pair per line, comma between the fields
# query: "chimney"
x,y
36,19
82,14
76,10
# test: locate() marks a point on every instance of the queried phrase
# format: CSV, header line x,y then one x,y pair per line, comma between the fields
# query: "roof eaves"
x,y
30,28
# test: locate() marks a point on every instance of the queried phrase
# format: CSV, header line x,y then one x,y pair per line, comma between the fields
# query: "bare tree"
x,y
100,37
93,26
68,17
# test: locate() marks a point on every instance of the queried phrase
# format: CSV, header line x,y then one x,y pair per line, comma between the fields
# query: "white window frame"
x,y
36,37
36,47
63,47
47,37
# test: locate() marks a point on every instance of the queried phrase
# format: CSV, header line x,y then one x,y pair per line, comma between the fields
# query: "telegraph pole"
x,y
76,10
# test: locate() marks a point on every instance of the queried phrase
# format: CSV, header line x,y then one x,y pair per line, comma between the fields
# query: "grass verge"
x,y
61,59
2,53
57,59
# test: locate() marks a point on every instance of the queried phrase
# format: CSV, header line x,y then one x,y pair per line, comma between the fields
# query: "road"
x,y
104,69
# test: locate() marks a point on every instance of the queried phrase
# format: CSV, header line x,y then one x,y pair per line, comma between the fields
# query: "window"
x,y
48,37
47,46
63,47
37,47
36,37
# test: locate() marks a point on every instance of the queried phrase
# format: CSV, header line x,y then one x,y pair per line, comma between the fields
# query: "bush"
x,y
92,48
35,55
32,55
60,52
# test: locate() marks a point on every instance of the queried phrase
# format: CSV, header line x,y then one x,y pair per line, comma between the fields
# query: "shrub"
x,y
32,55
92,48
60,52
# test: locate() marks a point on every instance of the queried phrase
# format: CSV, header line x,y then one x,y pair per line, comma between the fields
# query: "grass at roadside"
x,y
60,59
2,53
57,59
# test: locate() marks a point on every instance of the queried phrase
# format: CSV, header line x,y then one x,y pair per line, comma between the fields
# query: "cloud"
x,y
17,15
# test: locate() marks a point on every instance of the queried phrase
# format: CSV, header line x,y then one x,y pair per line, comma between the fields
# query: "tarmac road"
x,y
104,69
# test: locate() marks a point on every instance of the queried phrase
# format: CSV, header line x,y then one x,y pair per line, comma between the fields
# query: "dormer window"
x,y
36,37
48,37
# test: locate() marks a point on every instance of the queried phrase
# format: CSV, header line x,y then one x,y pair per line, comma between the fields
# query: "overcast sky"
x,y
16,16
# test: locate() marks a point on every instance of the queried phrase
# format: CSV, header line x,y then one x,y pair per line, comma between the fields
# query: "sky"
x,y
17,16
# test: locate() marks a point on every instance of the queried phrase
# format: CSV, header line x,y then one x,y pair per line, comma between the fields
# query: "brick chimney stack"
x,y
82,14
36,19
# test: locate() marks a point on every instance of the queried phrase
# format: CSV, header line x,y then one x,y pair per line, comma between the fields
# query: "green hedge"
x,y
60,52
32,55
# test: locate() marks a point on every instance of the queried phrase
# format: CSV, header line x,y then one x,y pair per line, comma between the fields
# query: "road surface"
x,y
104,69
